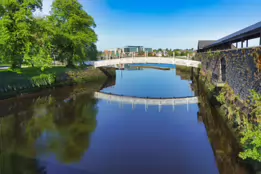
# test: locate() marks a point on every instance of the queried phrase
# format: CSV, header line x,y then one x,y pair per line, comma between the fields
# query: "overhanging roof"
x,y
204,43
247,33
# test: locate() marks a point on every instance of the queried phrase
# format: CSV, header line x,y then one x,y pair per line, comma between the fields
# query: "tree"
x,y
141,53
183,53
177,53
16,29
40,52
74,34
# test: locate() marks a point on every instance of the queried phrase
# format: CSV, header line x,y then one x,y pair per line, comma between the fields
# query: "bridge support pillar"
x,y
159,107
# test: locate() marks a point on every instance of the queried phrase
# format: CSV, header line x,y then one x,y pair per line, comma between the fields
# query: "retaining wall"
x,y
240,68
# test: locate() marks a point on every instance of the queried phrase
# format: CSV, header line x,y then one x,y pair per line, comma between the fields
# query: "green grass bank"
x,y
30,79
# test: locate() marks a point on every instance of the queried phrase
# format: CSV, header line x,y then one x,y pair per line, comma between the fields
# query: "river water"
x,y
69,131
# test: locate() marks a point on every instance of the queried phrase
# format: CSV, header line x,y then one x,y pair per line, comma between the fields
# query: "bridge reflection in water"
x,y
146,101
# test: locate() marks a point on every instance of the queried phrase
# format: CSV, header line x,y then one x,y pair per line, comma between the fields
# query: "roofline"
x,y
236,35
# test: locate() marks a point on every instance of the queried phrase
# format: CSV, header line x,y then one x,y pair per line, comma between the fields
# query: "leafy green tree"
x,y
183,53
16,31
251,136
177,53
73,29
141,53
40,48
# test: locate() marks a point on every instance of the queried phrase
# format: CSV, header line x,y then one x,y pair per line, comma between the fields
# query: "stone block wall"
x,y
240,68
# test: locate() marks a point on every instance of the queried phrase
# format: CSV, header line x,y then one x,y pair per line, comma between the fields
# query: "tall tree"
x,y
40,49
16,29
74,33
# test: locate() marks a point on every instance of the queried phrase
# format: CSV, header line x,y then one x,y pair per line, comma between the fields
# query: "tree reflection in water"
x,y
49,126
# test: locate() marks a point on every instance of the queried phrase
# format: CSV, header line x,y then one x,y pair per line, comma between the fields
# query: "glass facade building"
x,y
137,49
133,49
149,50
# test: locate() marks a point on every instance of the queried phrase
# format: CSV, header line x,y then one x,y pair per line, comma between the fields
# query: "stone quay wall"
x,y
239,68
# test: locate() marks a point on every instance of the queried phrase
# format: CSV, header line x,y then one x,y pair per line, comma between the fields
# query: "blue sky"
x,y
167,23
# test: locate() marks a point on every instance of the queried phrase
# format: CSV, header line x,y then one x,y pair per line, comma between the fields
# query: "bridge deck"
x,y
158,60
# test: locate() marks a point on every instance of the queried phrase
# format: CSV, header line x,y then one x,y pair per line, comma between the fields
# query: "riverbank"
x,y
223,141
241,118
28,80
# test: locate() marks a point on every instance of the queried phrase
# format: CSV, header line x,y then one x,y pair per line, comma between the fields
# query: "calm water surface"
x,y
67,130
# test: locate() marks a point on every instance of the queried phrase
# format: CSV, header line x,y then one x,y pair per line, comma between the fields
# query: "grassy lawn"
x,y
4,65
23,75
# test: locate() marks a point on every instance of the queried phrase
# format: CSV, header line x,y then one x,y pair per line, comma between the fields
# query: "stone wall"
x,y
240,68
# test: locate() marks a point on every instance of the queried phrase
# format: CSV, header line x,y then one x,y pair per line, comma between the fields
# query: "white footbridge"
x,y
146,101
156,60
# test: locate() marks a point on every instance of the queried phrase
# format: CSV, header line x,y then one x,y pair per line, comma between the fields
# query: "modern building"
x,y
133,49
148,50
137,49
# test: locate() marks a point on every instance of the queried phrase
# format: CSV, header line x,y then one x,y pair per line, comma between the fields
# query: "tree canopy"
x,y
66,35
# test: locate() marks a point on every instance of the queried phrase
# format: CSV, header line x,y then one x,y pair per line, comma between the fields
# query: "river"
x,y
69,131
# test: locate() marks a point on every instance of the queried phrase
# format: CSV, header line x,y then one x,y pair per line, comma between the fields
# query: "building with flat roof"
x,y
133,49
148,50
137,49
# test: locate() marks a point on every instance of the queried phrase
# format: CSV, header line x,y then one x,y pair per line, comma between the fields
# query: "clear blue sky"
x,y
167,23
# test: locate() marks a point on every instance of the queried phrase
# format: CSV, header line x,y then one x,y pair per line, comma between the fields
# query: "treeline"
x,y
178,52
66,35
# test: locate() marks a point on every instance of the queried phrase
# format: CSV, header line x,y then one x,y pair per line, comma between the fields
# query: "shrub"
x,y
43,80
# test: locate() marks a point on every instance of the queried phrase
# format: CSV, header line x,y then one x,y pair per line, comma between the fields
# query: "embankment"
x,y
239,100
29,84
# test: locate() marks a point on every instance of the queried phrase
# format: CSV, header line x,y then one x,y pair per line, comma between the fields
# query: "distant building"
x,y
148,50
165,53
115,52
135,49
159,54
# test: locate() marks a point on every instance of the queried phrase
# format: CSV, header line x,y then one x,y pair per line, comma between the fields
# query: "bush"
x,y
43,80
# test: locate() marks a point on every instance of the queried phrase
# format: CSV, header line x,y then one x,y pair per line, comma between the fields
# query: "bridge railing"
x,y
137,55
182,62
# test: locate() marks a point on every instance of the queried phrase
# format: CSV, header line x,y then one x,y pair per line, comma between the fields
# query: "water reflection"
x,y
68,130
224,143
47,126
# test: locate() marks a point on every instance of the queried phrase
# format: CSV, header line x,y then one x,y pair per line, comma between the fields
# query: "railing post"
x,y
187,59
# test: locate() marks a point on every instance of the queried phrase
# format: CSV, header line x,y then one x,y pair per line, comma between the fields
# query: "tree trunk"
x,y
15,65
70,64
